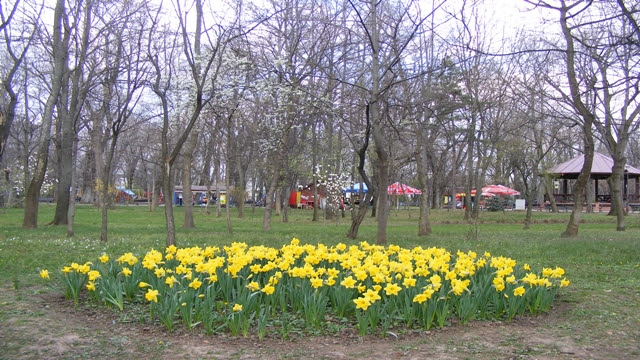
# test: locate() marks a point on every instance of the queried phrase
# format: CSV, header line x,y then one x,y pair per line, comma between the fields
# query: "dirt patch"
x,y
46,326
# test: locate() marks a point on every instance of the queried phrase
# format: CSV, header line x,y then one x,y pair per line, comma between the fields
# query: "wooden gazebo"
x,y
600,170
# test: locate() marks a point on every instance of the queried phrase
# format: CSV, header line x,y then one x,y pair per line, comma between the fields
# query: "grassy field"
x,y
598,312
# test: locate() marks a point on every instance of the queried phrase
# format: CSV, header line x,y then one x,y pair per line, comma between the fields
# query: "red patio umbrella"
x,y
473,193
500,190
401,189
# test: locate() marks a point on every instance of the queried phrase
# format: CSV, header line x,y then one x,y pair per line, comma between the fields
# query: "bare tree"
x,y
126,75
17,43
202,73
60,43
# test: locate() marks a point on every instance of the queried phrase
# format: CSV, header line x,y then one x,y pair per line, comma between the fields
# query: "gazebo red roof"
x,y
600,169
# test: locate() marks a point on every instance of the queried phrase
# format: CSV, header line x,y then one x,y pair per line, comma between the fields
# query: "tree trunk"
x,y
168,190
72,195
60,46
424,225
529,197
359,216
227,210
70,104
266,219
187,194
617,182
587,117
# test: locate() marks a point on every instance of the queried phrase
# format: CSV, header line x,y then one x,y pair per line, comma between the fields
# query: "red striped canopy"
x,y
500,190
401,189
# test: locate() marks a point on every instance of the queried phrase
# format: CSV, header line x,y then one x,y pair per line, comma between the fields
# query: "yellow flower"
x,y
253,286
362,303
84,268
93,274
91,286
44,274
409,282
126,271
372,295
564,282
428,292
170,280
557,272
237,308
316,282
526,267
104,258
268,289
143,285
151,295
498,282
195,284
171,249
420,298
128,258
519,291
160,272
392,289
67,269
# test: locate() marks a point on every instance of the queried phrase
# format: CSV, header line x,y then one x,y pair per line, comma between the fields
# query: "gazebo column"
x,y
596,188
565,189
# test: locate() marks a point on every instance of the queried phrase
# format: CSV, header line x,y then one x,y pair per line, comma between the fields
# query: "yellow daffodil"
x,y
253,286
392,289
151,295
143,285
237,308
160,272
409,282
91,286
84,268
420,298
171,280
93,275
268,289
372,295
519,291
44,274
104,258
316,282
126,271
556,273
171,249
564,282
127,258
362,303
195,284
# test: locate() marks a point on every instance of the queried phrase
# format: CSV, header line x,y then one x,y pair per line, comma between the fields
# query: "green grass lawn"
x,y
602,264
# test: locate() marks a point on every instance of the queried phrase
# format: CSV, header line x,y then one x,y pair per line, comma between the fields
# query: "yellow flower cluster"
x,y
366,273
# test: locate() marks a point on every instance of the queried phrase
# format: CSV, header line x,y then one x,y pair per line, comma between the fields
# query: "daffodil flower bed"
x,y
375,288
